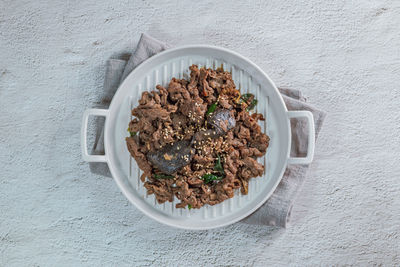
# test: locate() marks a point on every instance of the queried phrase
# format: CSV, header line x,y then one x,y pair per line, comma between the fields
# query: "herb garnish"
x,y
252,105
246,98
208,178
212,108
132,133
218,166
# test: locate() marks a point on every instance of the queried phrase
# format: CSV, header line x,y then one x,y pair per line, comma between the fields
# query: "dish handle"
x,y
85,154
311,136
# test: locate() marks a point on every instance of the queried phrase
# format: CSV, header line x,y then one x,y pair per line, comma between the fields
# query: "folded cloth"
x,y
276,211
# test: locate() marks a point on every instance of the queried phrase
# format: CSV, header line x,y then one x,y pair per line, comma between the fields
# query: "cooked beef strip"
x,y
176,116
224,102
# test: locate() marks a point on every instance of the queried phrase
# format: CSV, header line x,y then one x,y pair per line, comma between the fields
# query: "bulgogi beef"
x,y
197,140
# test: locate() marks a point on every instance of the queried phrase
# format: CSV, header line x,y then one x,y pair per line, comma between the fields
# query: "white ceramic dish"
x,y
159,70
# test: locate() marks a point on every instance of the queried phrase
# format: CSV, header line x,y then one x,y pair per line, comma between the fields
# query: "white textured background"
x,y
344,55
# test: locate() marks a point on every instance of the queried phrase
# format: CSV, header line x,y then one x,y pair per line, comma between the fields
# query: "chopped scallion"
x,y
212,108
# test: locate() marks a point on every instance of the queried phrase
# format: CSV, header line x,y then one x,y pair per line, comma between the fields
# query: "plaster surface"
x,y
344,55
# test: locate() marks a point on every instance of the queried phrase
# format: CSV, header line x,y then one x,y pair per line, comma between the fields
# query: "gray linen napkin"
x,y
276,211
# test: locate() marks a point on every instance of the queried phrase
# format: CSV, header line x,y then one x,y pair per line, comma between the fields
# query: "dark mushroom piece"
x,y
171,158
222,120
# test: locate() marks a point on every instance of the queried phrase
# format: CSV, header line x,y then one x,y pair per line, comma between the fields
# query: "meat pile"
x,y
197,140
